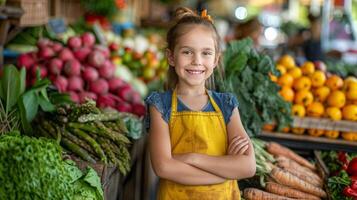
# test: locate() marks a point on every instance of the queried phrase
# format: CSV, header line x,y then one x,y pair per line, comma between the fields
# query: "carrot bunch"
x,y
288,175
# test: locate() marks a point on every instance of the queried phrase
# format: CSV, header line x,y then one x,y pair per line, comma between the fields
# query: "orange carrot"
x,y
302,176
285,191
285,162
276,149
256,194
285,178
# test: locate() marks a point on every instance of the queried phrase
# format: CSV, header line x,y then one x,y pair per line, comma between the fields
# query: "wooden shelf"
x,y
307,142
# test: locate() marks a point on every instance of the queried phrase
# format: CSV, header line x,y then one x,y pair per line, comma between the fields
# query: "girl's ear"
x,y
170,57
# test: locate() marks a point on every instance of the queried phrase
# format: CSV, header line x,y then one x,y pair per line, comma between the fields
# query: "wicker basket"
x,y
70,10
35,11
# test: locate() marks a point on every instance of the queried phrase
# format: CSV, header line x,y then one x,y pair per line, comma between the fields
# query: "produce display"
x,y
314,92
84,70
33,169
283,175
342,183
246,75
88,132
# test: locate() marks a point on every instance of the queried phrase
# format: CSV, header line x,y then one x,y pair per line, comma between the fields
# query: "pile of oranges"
x,y
315,93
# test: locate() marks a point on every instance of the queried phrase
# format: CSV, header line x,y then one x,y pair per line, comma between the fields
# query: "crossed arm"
x,y
200,169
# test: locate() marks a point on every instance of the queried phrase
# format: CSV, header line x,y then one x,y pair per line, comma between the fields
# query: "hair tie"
x,y
205,16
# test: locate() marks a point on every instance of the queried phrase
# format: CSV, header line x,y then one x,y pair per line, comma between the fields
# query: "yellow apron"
x,y
199,132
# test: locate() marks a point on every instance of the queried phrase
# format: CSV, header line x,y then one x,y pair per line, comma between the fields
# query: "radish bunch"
x,y
84,70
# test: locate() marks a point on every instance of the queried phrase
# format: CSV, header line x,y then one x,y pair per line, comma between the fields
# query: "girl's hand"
x,y
238,146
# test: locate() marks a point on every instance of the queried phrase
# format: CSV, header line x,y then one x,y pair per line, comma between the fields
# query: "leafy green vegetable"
x,y
32,169
86,185
134,125
336,184
247,77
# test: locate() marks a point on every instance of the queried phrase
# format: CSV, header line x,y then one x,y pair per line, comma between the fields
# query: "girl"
x,y
198,146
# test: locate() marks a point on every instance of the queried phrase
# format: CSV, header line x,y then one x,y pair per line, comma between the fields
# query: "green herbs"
x,y
32,169
336,184
247,75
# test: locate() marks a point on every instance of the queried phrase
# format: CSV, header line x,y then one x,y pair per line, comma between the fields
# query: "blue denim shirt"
x,y
162,102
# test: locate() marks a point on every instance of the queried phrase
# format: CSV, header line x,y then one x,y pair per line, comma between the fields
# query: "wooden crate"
x,y
69,10
325,124
35,11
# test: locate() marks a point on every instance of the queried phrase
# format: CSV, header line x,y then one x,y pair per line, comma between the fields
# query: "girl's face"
x,y
194,56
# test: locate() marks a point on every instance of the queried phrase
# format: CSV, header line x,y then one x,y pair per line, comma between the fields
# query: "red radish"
x,y
75,83
43,71
81,53
90,74
96,58
103,49
113,46
115,84
126,93
84,96
72,67
136,98
65,54
88,39
124,107
43,42
61,83
55,66
99,86
57,47
106,101
25,60
138,109
45,53
107,70
74,96
33,70
74,42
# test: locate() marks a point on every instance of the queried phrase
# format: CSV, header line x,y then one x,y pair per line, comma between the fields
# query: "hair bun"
x,y
183,12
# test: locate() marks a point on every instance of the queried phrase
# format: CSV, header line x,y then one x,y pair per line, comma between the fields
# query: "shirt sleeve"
x,y
157,100
230,102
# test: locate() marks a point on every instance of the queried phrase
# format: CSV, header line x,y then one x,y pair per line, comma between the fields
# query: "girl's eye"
x,y
207,53
187,52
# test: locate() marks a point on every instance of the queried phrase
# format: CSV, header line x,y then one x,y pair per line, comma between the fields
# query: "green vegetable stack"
x,y
89,133
247,75
32,169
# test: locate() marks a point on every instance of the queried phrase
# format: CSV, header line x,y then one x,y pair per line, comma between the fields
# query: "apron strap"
x,y
174,102
213,102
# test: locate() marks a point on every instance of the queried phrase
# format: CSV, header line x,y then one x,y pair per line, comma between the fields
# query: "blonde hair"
x,y
184,17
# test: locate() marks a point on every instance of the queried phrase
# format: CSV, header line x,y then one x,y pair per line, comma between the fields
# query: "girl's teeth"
x,y
195,71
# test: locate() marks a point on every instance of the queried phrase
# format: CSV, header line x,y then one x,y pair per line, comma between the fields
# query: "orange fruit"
x,y
272,77
334,82
349,112
333,134
334,113
349,80
285,80
316,132
321,93
295,72
336,99
281,69
351,91
308,68
350,136
287,61
285,130
303,97
298,131
298,110
302,83
318,78
287,93
315,109
269,127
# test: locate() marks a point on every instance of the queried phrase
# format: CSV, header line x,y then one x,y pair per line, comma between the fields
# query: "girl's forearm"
x,y
183,173
227,166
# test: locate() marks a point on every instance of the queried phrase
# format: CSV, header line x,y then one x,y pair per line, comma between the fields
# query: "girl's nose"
x,y
197,60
